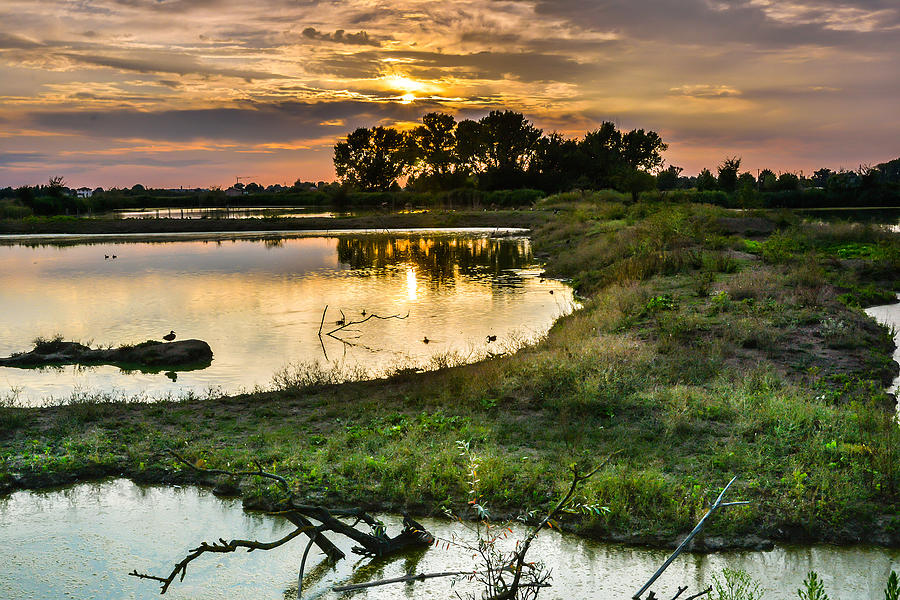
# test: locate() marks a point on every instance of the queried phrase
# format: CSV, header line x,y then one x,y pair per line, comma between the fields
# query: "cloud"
x,y
705,91
21,158
258,123
164,62
360,38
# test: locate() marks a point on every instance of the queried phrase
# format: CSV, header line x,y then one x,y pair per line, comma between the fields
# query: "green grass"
x,y
694,359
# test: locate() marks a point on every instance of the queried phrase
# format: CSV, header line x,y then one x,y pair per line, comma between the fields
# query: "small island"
x,y
184,355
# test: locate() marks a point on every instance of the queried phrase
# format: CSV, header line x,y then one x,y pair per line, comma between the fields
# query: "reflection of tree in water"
x,y
438,258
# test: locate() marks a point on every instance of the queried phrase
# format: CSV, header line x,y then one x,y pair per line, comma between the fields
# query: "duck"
x,y
425,340
169,336
491,338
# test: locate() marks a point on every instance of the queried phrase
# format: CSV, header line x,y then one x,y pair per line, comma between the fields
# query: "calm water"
x,y
889,315
889,217
259,304
82,541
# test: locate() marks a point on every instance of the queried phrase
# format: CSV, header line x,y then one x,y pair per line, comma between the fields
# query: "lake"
x,y
258,300
82,541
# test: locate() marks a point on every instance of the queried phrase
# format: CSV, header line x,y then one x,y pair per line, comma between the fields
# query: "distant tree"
x,y
434,144
507,146
56,187
766,180
469,147
820,177
254,188
667,179
557,163
891,170
635,181
728,174
602,150
643,150
746,180
706,181
371,159
137,188
787,182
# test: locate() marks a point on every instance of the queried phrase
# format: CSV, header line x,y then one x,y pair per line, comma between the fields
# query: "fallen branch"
x,y
716,506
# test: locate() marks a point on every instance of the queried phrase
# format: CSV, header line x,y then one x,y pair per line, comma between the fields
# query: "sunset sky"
x,y
192,93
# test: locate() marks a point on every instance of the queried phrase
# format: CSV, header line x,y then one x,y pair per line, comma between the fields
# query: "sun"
x,y
407,98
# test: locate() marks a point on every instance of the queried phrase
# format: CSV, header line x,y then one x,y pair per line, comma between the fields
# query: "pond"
x,y
258,301
82,541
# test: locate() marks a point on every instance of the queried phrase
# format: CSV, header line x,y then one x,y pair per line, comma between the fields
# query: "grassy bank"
x,y
709,345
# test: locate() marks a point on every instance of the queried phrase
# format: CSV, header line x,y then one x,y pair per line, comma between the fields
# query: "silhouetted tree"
x,y
643,150
787,182
371,159
667,179
507,146
706,181
728,174
602,150
767,180
557,163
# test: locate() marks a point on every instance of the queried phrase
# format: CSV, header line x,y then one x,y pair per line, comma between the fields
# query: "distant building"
x,y
233,191
84,192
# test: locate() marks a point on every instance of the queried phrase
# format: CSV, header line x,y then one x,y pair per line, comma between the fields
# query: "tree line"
x,y
500,151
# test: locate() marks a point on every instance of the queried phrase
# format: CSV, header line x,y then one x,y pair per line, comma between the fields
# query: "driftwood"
x,y
376,544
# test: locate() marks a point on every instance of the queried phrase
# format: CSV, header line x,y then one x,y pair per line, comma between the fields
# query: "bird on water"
x,y
169,336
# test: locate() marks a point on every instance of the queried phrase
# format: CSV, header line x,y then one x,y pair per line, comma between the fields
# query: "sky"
x,y
196,93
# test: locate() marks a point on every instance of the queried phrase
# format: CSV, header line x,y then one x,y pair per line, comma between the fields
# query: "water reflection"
x,y
82,541
259,302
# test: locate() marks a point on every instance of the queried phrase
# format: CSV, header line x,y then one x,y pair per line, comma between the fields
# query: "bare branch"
x,y
343,323
703,593
716,505
221,547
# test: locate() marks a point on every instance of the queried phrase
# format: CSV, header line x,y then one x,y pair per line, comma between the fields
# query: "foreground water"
x,y
82,541
259,302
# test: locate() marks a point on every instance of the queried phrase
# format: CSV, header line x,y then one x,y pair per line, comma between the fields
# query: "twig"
x,y
703,593
680,591
419,577
344,323
716,505
322,322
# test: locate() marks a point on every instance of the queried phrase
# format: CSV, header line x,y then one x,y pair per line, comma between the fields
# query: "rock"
x,y
184,353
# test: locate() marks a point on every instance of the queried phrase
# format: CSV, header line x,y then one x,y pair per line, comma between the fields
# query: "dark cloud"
x,y
15,42
257,123
701,22
20,158
361,38
164,62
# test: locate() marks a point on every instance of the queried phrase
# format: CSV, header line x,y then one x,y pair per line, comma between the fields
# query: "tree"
x,y
820,177
602,150
557,163
667,179
643,150
507,145
787,182
372,159
635,181
433,154
766,180
706,181
728,174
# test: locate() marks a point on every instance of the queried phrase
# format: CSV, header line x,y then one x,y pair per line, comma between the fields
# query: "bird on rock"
x,y
169,336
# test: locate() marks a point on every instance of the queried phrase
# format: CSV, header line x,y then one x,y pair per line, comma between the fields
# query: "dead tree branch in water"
x,y
715,506
375,544
343,324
